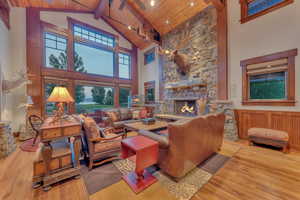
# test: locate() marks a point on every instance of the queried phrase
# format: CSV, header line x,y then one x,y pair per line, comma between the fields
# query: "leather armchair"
x,y
188,143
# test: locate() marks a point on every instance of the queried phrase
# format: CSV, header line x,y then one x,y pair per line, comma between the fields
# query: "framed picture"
x,y
149,56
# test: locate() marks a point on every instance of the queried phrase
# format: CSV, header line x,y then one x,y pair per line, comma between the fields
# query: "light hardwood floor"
x,y
253,173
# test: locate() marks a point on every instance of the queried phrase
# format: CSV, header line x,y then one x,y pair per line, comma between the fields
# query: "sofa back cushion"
x,y
114,115
143,114
125,114
91,128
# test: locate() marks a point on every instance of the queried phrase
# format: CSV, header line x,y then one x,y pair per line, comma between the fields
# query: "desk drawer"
x,y
72,130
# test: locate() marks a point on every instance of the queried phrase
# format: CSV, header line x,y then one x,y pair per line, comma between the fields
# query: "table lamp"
x,y
59,95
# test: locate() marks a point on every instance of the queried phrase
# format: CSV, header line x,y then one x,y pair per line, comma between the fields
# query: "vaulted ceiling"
x,y
164,16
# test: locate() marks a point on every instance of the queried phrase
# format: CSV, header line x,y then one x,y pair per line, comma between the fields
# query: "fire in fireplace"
x,y
185,107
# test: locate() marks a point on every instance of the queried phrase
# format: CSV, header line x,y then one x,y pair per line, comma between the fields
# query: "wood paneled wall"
x,y
280,120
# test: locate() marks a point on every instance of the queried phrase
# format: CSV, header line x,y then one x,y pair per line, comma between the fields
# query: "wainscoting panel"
x,y
286,121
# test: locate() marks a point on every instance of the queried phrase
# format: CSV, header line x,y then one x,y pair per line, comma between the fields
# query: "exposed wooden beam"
x,y
100,9
138,15
219,4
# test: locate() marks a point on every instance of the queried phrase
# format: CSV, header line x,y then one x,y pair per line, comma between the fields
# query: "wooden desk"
x,y
146,151
55,160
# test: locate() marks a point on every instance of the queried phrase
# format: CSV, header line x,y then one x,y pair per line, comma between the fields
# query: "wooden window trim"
x,y
4,13
244,10
290,101
147,85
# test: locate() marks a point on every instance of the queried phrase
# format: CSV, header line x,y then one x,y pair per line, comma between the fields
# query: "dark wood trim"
x,y
244,10
75,21
219,5
5,12
34,59
64,10
161,76
270,57
222,38
134,71
269,103
82,76
290,101
70,46
280,120
100,9
53,28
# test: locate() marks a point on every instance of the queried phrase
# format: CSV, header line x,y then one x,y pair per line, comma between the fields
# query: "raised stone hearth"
x,y
7,140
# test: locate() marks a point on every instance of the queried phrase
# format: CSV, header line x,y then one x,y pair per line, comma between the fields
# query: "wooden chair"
x,y
35,123
103,144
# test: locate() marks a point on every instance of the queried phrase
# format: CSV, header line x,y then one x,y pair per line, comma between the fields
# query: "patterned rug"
x,y
187,186
110,173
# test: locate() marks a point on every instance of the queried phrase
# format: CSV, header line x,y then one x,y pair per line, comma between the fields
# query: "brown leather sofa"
x,y
188,143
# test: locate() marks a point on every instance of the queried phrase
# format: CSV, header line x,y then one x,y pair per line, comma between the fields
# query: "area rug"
x,y
100,177
187,186
27,145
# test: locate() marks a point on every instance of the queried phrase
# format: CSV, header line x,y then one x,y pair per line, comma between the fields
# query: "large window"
x,y
55,51
94,68
124,65
90,98
95,60
270,80
95,36
250,9
123,96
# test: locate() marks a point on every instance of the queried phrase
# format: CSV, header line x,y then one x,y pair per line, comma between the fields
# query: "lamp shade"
x,y
60,94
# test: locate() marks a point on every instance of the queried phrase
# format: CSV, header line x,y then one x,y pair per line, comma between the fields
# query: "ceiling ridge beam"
x,y
100,9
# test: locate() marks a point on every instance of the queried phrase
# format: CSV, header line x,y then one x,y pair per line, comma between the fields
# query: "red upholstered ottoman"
x,y
270,137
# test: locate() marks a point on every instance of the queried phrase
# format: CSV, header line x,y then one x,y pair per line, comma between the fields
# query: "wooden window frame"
x,y
244,10
290,101
149,85
4,13
130,65
152,50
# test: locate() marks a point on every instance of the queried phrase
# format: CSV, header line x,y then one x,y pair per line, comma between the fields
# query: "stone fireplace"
x,y
181,92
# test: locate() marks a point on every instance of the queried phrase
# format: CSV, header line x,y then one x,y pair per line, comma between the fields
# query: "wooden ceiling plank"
x,y
100,9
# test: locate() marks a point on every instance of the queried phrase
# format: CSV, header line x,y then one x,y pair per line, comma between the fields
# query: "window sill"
x,y
269,102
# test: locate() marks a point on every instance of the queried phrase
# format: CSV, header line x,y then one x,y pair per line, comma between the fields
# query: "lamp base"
x,y
58,113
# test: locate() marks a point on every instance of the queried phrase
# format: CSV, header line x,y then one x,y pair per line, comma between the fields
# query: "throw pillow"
x,y
125,114
91,127
136,114
115,116
143,114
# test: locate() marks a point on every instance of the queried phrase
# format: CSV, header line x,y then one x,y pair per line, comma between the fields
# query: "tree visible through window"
x,y
55,47
268,86
123,98
95,97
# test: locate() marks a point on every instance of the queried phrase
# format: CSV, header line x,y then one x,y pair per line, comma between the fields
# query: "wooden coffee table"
x,y
136,126
146,152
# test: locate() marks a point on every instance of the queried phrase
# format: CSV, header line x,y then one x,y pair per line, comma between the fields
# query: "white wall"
x,y
60,19
277,31
149,72
6,111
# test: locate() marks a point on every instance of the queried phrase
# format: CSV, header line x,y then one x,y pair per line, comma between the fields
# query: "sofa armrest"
x,y
162,140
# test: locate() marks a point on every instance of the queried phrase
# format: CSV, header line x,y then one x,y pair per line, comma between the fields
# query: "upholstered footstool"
x,y
269,137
